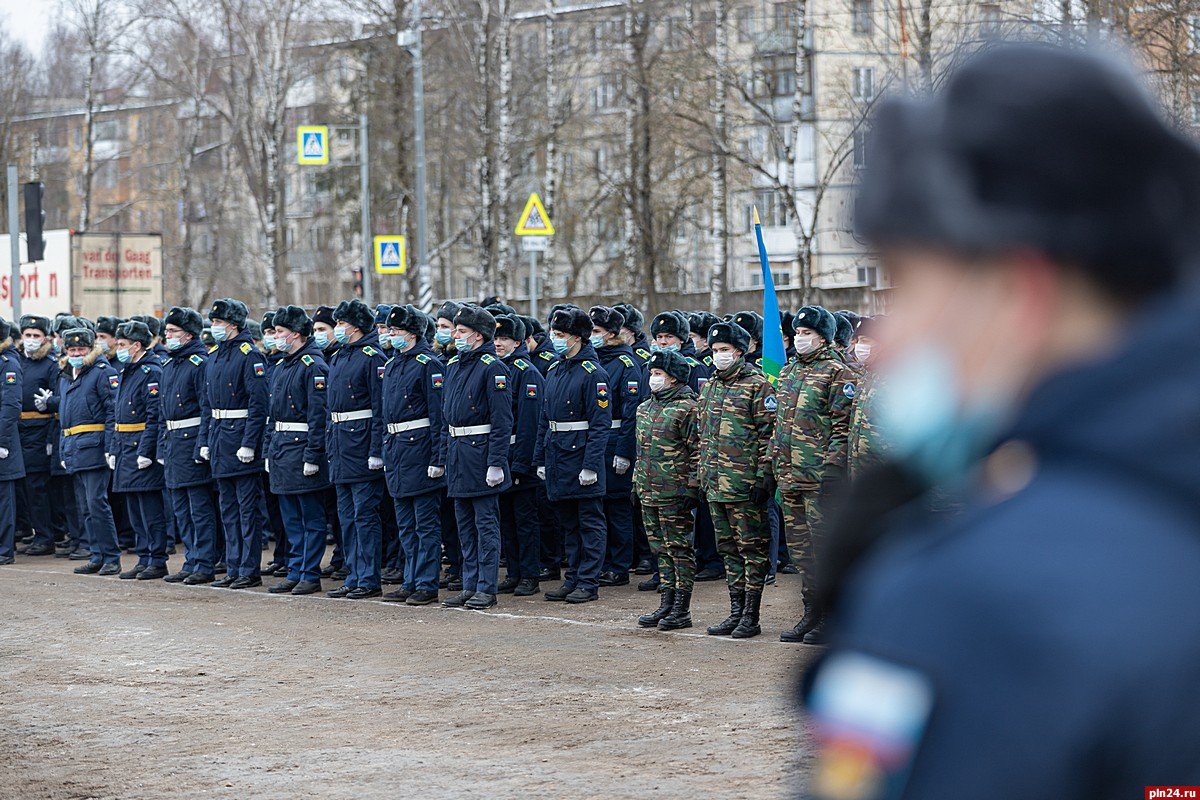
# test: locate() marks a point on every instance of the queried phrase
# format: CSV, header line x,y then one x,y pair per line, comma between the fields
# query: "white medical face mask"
x,y
862,352
657,382
807,344
724,361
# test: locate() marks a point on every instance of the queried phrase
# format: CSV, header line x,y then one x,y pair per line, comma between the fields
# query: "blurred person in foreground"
x,y
1040,223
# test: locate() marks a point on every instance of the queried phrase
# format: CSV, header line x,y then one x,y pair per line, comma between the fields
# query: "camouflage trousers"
x,y
805,524
669,529
744,542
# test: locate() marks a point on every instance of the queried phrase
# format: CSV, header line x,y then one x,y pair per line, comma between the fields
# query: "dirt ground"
x,y
133,689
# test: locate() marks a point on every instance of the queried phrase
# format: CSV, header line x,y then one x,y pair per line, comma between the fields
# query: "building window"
x,y
859,156
868,276
782,76
861,17
600,159
78,137
106,176
745,25
772,209
783,16
989,19
863,89
606,93
107,130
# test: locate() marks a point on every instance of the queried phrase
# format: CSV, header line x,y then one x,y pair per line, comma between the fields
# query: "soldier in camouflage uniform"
x,y
736,412
866,446
808,447
665,479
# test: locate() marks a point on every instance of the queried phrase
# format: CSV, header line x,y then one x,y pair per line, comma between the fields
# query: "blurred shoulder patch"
x,y
869,715
849,390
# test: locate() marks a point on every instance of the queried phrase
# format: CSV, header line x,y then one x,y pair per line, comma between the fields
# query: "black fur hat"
x,y
408,318
786,322
64,322
817,319
268,321
700,321
608,318
232,311
108,325
37,323
672,322
185,319
6,329
751,323
572,321
634,320
672,363
430,327
135,331
731,333
868,326
78,337
381,313
478,320
255,329
557,307
511,326
357,313
845,330
496,309
152,322
324,314
294,318
449,310
532,326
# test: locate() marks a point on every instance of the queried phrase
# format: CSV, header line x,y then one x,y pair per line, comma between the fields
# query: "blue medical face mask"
x,y
561,346
219,332
123,355
341,334
75,361
597,340
173,342
462,345
443,337
658,348
269,342
927,422
321,339
399,342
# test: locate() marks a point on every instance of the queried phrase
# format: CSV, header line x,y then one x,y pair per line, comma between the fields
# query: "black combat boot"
x,y
817,634
681,612
737,601
806,623
666,600
749,624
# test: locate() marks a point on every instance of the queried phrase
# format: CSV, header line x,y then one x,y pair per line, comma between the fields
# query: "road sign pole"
x,y
424,284
364,180
14,243
533,280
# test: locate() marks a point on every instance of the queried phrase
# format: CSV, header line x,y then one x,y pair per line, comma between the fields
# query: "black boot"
x,y
681,612
806,623
749,625
817,634
737,601
666,600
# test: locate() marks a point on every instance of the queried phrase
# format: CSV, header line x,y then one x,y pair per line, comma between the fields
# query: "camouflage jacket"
x,y
665,469
866,446
734,424
812,424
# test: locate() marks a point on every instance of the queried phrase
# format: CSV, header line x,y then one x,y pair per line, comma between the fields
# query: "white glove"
x,y
245,455
143,462
435,472
374,463
3,452
204,454
541,473
310,470
63,464
161,462
266,465
50,449
620,465
39,399
112,461
495,476
587,477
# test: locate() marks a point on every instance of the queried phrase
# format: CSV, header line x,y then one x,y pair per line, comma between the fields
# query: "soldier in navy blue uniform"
x,y
633,331
626,389
84,402
12,463
698,324
65,510
478,413
186,416
133,454
443,348
155,326
38,358
278,565
299,467
539,346
752,323
354,442
413,451
326,342
519,524
542,355
238,396
571,452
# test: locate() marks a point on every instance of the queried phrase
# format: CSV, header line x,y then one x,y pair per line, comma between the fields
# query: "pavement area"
x,y
142,689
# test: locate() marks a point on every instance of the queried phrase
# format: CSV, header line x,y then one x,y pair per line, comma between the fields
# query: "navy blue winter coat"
x,y
355,384
299,388
237,379
137,416
478,392
527,416
85,399
627,388
543,355
577,390
184,396
1043,644
413,387
12,468
700,372
38,372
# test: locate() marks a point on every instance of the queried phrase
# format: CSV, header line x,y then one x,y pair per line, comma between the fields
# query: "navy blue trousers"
x,y
362,532
618,515
91,497
239,501
522,533
479,537
584,534
705,540
419,520
303,517
8,519
145,511
196,520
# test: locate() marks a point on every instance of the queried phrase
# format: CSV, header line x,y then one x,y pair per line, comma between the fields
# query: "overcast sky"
x,y
28,20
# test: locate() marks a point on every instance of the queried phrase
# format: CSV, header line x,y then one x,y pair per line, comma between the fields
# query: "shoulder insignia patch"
x,y
319,382
632,387
437,380
643,353
370,351
692,362
10,377
260,370
531,391
146,368
521,364
501,381
849,390
453,360
382,368
212,349
700,382
487,358
546,355
626,360
770,403
423,358
153,389
552,366
197,360
707,360
306,360
113,381
246,348
589,366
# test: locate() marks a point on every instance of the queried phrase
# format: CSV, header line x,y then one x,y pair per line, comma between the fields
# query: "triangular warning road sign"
x,y
534,219
390,257
312,145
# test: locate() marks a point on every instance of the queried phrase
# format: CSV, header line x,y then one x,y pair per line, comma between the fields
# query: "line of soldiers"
x,y
596,445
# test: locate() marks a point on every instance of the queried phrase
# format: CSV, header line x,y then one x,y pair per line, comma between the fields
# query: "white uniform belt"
x,y
296,427
177,424
470,430
230,413
347,416
411,425
616,423
568,426
512,439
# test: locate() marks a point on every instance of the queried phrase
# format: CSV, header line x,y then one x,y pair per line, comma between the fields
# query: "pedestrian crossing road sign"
x,y
389,255
534,219
312,144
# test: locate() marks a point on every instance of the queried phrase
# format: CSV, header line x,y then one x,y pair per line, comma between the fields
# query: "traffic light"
x,y
358,283
35,220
